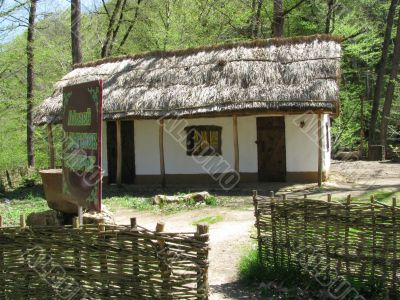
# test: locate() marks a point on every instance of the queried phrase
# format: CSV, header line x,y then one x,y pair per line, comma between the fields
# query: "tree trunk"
x,y
128,31
76,31
117,25
257,23
329,15
390,88
105,50
30,77
380,71
278,19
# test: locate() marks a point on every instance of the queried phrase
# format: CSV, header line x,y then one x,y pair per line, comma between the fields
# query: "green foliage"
x,y
31,179
173,24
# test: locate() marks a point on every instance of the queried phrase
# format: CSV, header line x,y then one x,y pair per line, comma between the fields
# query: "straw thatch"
x,y
294,74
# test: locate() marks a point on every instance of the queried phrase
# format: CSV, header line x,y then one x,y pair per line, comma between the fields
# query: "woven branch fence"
x,y
359,241
102,262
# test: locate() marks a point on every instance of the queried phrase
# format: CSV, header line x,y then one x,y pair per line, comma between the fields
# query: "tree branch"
x,y
288,11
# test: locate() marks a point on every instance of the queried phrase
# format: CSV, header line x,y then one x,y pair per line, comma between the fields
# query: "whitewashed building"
x,y
259,111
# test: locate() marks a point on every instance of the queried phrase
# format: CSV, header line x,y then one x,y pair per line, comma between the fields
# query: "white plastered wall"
x,y
301,145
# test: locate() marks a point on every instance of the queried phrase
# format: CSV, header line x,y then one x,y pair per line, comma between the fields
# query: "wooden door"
x,y
271,149
112,151
128,152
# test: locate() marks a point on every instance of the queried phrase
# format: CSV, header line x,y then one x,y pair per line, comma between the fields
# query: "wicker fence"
x,y
359,241
102,262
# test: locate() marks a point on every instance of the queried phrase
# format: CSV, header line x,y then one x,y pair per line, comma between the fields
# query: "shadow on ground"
x,y
22,193
235,290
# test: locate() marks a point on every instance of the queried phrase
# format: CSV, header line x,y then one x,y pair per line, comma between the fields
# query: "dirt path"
x,y
228,240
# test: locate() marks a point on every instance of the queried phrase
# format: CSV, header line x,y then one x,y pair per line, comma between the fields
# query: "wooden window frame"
x,y
191,148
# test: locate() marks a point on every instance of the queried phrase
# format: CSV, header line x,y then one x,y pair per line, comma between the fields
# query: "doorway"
x,y
128,152
271,149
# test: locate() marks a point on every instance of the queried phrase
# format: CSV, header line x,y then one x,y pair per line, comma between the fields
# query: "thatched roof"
x,y
293,74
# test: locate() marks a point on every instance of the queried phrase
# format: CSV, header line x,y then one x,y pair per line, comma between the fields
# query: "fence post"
x,y
288,250
257,215
373,235
202,257
2,267
394,270
103,257
305,227
327,243
162,254
135,259
346,234
22,223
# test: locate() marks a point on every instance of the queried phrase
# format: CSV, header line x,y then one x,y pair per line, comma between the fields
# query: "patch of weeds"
x,y
212,201
209,220
138,203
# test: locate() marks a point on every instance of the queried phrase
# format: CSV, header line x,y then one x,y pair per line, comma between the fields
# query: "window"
x,y
203,140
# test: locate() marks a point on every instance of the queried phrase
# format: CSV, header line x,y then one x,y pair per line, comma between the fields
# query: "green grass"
x,y
209,220
31,199
10,210
382,195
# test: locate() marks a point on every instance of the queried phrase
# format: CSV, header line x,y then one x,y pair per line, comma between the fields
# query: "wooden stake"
x,y
1,221
319,151
22,220
162,254
119,152
75,222
133,223
236,143
161,146
80,214
202,273
50,146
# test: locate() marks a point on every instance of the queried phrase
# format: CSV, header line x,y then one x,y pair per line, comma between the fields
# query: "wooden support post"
x,y
202,255
162,254
1,221
320,151
50,146
119,152
236,143
161,146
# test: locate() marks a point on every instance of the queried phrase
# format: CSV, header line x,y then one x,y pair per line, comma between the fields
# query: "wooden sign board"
x,y
82,120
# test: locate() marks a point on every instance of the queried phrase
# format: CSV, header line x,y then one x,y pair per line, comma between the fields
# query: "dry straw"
x,y
294,74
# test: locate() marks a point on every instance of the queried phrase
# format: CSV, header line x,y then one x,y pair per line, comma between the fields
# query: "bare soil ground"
x,y
230,238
